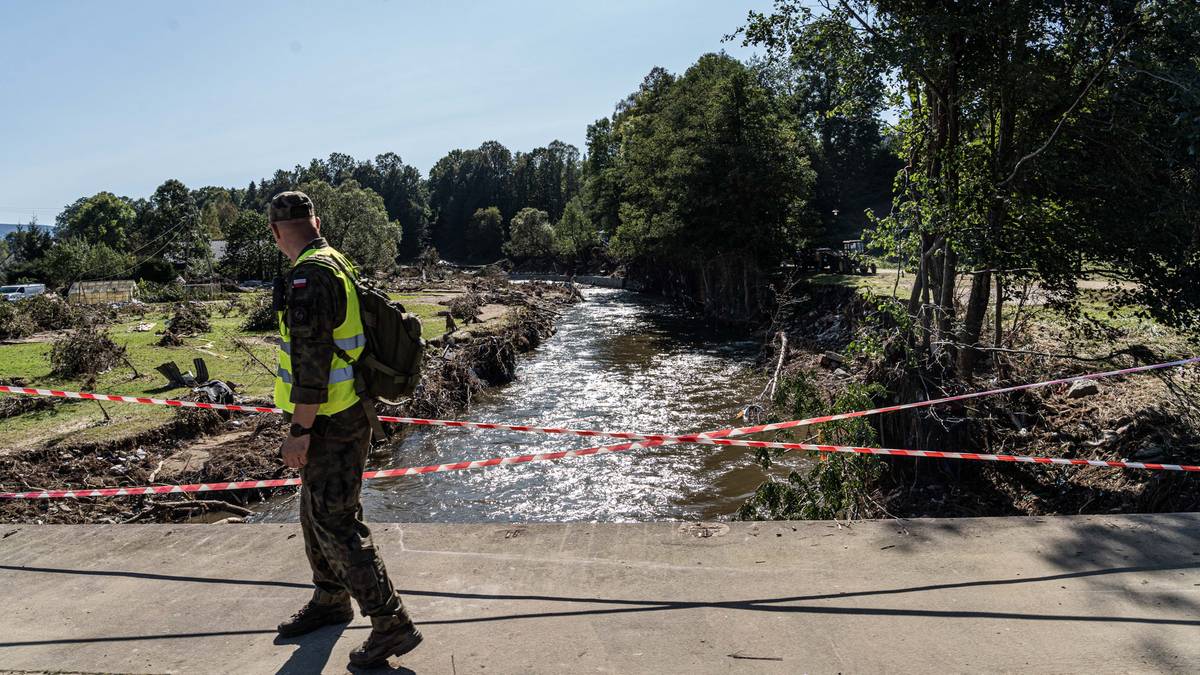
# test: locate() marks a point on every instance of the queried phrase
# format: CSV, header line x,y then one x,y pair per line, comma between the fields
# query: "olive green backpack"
x,y
389,368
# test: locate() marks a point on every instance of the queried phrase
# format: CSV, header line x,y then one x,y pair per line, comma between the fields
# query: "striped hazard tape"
x,y
705,438
722,437
586,452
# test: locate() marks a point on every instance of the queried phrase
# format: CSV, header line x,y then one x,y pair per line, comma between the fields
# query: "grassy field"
x,y
1114,326
76,422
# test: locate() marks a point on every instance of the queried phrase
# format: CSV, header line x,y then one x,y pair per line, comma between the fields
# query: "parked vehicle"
x,y
851,259
21,291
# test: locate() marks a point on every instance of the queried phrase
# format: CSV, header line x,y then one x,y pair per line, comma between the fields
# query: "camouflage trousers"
x,y
338,543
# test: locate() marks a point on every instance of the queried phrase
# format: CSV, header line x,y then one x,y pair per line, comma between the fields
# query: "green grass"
x,y
432,325
78,422
1122,325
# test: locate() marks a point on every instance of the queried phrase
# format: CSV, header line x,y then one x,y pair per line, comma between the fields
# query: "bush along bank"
x,y
204,446
850,352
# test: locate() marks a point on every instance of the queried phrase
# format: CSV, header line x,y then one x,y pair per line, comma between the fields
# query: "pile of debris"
x,y
190,318
85,351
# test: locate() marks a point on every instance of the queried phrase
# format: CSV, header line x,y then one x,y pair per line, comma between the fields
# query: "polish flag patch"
x,y
299,282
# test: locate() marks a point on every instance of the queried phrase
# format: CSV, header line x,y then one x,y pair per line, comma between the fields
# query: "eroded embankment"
x,y
850,351
197,446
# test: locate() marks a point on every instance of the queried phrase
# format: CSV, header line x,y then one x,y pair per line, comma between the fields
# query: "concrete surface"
x,y
1081,594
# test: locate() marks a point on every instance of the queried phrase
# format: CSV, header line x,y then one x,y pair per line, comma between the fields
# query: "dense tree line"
x,y
1040,141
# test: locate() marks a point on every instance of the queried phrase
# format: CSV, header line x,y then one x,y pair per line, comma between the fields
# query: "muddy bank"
x,y
845,342
203,446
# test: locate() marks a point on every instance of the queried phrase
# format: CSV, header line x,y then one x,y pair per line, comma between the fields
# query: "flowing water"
x,y
618,361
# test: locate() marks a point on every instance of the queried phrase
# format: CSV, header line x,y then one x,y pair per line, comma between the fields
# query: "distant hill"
x,y
5,228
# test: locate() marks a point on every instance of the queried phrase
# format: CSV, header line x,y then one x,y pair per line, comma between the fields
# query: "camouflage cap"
x,y
290,205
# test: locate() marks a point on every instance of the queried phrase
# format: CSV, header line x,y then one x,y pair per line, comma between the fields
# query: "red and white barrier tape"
x,y
686,438
609,449
959,397
720,437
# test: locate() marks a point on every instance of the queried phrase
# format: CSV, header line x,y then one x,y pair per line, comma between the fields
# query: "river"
x,y
618,361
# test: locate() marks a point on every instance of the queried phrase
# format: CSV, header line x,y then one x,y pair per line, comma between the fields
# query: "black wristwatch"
x,y
296,431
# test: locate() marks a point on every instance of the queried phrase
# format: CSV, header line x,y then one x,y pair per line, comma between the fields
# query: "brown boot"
x,y
314,615
390,636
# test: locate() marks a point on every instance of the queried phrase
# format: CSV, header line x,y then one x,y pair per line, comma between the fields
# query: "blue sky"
x,y
120,96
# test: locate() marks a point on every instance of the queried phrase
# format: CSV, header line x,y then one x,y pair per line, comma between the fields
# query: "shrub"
x,y
155,270
836,485
85,351
466,306
14,323
190,318
261,316
50,312
149,291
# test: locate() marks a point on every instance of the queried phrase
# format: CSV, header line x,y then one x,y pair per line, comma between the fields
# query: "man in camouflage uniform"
x,y
330,450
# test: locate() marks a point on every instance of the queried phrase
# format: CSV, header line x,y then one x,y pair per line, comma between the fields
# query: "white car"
x,y
21,291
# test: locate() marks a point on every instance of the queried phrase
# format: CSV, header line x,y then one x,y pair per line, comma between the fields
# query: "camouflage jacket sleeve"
x,y
316,305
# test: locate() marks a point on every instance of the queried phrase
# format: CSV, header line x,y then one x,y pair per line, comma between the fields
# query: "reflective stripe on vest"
x,y
345,344
349,337
335,376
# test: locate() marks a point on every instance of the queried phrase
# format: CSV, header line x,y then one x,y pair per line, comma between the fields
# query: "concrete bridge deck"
x,y
1078,594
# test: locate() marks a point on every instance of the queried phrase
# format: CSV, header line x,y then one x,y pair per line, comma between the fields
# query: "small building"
x,y
102,292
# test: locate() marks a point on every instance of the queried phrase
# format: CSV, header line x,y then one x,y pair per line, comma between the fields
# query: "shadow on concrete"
x,y
321,643
1151,542
155,577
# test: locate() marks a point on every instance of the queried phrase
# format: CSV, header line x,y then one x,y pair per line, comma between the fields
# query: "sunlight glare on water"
x,y
619,361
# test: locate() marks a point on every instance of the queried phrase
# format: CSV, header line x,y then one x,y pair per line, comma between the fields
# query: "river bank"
x,y
618,361
846,342
149,445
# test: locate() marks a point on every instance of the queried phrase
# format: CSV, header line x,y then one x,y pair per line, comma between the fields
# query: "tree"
x,y
355,222
103,218
405,196
26,248
602,177
463,182
170,226
71,260
546,178
218,209
485,235
833,92
575,238
530,235
713,185
986,114
250,251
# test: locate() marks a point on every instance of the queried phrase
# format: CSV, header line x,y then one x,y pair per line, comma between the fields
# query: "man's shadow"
x,y
312,656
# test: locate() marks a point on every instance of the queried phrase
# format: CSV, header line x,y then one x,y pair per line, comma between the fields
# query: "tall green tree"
x,y
530,235
103,218
485,235
250,251
71,260
169,226
546,178
355,222
27,247
576,240
714,185
992,92
463,182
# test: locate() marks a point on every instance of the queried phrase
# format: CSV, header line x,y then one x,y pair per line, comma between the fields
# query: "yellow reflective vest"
x,y
348,338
